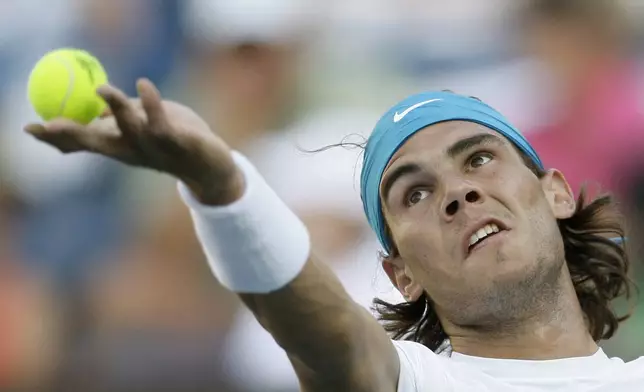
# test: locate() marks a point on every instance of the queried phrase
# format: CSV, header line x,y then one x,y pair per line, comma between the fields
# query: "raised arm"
x,y
333,343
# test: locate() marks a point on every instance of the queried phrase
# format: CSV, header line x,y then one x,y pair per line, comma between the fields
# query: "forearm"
x,y
303,308
328,337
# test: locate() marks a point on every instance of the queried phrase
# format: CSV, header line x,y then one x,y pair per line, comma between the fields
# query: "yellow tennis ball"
x,y
63,84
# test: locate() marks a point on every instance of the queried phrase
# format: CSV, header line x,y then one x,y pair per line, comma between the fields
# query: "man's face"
x,y
471,223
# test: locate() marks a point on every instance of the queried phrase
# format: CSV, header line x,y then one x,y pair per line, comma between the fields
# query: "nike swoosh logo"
x,y
400,116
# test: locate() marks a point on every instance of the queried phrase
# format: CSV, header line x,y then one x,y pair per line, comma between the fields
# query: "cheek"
x,y
527,201
521,186
533,198
421,247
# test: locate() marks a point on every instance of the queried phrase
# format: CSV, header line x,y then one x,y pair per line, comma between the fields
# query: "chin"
x,y
493,262
504,287
505,269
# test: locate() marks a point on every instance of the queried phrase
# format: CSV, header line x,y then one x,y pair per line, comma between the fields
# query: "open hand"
x,y
156,134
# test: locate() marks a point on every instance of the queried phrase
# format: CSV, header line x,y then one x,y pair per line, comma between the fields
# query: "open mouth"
x,y
482,235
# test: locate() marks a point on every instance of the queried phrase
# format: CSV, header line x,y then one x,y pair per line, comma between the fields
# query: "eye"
x,y
479,159
416,196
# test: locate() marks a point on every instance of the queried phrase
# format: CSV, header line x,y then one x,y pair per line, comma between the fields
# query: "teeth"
x,y
483,232
473,239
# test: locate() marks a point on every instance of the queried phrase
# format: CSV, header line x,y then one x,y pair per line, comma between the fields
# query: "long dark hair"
x,y
598,266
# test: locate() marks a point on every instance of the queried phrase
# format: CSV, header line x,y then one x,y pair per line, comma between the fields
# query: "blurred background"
x,y
103,286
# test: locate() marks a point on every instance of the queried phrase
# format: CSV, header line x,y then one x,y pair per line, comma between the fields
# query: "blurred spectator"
x,y
595,125
158,318
246,67
74,213
29,321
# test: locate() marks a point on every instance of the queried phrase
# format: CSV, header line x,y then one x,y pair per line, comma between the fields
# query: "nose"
x,y
457,197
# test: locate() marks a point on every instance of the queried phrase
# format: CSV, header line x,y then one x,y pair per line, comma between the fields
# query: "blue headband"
x,y
408,117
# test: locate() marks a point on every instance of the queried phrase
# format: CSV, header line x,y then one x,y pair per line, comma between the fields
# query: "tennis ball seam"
x,y
70,84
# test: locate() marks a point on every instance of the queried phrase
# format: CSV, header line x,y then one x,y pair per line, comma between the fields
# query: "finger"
x,y
101,136
34,129
122,109
59,125
100,127
59,134
152,102
134,101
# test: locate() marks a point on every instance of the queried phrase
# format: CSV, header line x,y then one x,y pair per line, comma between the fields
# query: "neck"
x,y
555,330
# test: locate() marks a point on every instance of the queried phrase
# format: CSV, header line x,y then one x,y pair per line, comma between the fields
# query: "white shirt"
x,y
423,371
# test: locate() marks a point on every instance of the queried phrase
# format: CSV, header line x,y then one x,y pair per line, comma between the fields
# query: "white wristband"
x,y
254,245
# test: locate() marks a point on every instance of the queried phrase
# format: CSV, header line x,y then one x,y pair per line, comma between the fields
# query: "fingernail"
x,y
139,85
103,89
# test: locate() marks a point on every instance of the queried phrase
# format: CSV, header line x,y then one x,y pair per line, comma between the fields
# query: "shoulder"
x,y
637,364
627,376
419,367
414,352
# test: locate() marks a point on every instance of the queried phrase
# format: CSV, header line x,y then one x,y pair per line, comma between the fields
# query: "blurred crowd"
x,y
103,286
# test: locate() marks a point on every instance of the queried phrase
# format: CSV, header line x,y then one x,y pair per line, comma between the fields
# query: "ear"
x,y
402,278
559,195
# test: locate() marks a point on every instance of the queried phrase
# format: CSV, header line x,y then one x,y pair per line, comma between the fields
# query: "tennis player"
x,y
508,278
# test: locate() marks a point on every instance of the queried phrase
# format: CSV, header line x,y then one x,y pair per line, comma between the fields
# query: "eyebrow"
x,y
396,174
453,151
472,142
